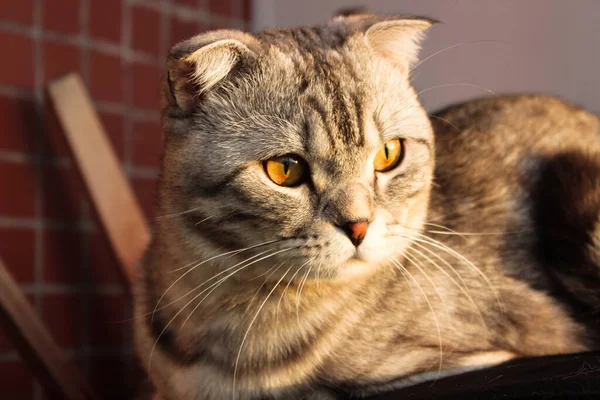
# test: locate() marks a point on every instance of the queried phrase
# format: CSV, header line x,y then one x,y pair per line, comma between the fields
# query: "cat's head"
x,y
307,147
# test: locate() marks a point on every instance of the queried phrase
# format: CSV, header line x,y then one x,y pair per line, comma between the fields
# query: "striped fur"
x,y
251,290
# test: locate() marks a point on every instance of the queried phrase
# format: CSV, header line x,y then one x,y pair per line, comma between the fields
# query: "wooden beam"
x,y
27,333
109,189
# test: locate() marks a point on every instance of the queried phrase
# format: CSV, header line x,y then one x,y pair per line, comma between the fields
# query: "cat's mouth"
x,y
358,255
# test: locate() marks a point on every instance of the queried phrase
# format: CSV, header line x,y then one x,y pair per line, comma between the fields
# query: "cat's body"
x,y
488,260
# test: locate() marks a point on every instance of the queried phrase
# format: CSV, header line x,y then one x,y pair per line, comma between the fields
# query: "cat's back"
x,y
510,124
519,169
489,151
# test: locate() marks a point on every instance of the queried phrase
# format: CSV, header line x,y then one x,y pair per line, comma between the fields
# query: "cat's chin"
x,y
360,263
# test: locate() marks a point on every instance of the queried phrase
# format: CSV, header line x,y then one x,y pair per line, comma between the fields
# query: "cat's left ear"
x,y
399,40
396,38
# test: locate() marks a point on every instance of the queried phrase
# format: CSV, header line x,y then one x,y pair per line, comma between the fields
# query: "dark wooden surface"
x,y
575,376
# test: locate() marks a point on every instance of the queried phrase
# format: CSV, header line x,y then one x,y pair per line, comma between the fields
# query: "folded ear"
x,y
399,40
396,38
199,64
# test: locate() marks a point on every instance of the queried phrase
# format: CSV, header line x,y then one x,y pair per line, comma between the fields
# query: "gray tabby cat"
x,y
322,235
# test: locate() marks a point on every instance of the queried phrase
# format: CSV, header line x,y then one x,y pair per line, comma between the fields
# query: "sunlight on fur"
x,y
321,235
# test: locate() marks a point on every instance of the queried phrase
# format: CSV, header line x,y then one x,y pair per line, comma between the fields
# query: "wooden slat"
x,y
37,348
109,189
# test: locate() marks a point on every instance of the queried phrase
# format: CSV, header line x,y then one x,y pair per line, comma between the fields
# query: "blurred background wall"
x,y
549,46
49,235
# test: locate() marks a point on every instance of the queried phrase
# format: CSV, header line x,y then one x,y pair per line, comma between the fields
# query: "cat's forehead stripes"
x,y
329,84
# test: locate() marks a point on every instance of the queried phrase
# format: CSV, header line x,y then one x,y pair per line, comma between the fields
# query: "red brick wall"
x,y
49,235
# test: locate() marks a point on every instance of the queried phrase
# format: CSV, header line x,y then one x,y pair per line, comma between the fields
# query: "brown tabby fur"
x,y
497,250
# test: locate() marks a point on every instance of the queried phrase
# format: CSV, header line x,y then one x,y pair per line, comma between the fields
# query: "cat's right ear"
x,y
197,65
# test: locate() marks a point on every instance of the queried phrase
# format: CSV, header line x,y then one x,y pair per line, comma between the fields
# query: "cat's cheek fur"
x,y
333,97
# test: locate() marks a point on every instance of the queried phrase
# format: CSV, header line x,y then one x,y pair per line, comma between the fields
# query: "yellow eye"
x,y
286,170
389,156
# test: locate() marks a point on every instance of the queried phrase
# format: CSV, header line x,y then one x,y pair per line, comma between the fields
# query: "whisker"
x,y
403,270
441,246
452,47
464,289
237,360
208,280
176,214
446,121
464,234
272,271
214,288
265,273
203,220
457,84
414,260
299,293
445,229
318,273
448,231
199,294
287,287
232,252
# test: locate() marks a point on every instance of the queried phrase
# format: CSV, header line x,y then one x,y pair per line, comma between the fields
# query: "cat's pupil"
x,y
387,151
286,166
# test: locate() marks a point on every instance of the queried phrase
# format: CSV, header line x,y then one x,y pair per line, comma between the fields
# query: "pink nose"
x,y
356,231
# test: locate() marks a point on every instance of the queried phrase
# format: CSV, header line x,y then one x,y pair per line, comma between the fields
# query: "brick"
x,y
129,319
50,396
115,371
103,264
63,315
16,68
17,11
146,143
18,129
106,77
61,15
17,249
63,192
105,20
108,325
145,30
5,344
221,7
246,10
182,29
79,363
214,25
138,372
18,180
62,256
146,86
54,141
113,126
17,380
60,59
189,3
145,190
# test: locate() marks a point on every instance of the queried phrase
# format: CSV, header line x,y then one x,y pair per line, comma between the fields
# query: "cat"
x,y
322,236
